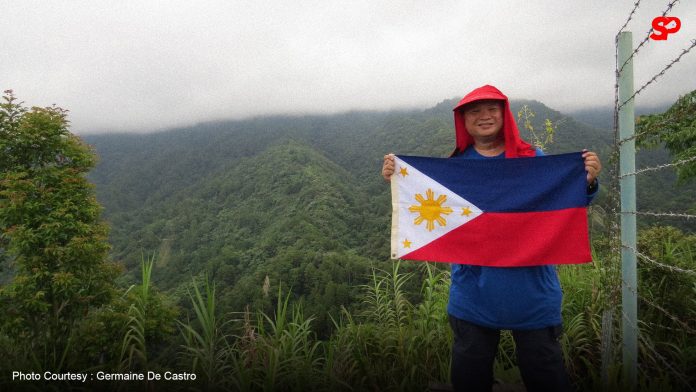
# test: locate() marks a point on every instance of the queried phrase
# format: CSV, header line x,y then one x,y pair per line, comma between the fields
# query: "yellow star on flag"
x,y
403,172
466,211
407,243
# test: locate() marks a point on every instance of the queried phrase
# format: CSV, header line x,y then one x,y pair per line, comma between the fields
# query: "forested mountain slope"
x,y
292,199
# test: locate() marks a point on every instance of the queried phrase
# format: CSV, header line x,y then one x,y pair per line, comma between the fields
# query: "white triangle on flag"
x,y
423,209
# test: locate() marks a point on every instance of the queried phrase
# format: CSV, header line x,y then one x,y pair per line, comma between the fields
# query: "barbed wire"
x,y
656,325
657,355
686,327
630,16
669,214
628,139
613,231
647,36
618,69
668,365
647,169
676,60
657,263
655,126
669,315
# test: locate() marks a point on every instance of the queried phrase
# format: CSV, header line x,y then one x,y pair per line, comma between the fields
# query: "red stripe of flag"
x,y
508,239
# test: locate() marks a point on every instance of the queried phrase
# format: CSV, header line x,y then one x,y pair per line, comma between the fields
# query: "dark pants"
x,y
539,357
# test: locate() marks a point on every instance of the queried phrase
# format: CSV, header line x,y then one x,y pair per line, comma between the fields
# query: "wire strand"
x,y
659,124
676,60
630,16
659,167
647,36
668,214
660,357
657,263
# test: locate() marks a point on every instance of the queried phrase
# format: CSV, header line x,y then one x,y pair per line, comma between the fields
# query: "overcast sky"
x,y
146,65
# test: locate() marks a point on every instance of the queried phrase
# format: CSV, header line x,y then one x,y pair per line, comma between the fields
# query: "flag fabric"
x,y
491,212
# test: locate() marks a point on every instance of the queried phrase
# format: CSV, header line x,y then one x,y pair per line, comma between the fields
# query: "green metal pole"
x,y
627,164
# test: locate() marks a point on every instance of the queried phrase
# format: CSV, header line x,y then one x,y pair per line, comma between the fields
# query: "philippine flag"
x,y
491,212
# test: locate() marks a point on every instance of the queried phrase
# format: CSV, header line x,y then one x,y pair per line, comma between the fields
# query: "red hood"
x,y
514,146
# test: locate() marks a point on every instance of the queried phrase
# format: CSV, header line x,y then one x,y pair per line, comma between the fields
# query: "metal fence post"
x,y
627,164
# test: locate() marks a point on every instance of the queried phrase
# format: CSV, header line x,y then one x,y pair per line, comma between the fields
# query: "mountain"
x,y
603,117
284,201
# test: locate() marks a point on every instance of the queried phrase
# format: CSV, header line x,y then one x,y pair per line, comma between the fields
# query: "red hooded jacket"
x,y
514,146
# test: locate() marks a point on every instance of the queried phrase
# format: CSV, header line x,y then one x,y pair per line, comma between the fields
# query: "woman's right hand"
x,y
388,167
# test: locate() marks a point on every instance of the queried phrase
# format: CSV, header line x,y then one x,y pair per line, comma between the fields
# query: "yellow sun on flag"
x,y
430,209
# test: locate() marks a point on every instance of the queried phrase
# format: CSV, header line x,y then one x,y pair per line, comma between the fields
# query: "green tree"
x,y
676,128
50,231
540,139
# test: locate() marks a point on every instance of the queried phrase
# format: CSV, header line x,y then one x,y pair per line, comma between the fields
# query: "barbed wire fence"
x,y
616,282
649,346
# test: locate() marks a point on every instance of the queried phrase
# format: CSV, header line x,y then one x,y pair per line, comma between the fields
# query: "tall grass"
x,y
278,352
390,345
134,346
205,344
397,344
393,344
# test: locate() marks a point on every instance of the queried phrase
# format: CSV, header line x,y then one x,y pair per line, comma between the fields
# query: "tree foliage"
x,y
50,229
676,129
538,138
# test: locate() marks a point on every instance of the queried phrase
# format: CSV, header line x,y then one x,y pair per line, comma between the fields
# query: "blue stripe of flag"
x,y
544,183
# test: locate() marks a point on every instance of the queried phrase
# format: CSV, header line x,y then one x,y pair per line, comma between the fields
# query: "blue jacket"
x,y
505,297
